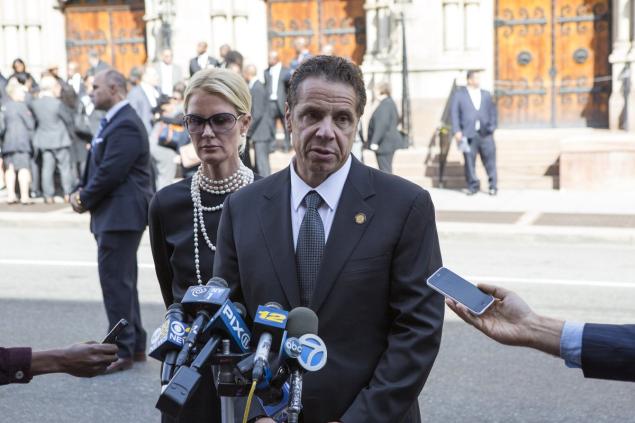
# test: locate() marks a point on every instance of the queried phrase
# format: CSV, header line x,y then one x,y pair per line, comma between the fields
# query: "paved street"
x,y
49,296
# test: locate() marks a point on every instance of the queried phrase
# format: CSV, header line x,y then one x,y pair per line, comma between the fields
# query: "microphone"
x,y
310,354
168,339
203,301
269,325
186,379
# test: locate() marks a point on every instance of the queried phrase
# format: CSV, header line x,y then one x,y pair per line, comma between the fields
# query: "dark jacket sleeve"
x,y
415,335
379,125
493,115
15,365
123,147
608,352
455,112
225,258
161,252
258,108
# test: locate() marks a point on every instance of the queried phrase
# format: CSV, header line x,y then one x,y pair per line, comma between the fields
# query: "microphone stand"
x,y
225,375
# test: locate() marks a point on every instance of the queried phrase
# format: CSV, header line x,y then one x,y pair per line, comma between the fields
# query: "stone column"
x,y
371,29
453,29
221,31
618,58
9,28
240,28
473,27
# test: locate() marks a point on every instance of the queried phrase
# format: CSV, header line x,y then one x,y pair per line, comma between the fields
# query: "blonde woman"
x,y
17,149
184,216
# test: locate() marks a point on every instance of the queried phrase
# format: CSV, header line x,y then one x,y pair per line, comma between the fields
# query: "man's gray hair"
x,y
115,78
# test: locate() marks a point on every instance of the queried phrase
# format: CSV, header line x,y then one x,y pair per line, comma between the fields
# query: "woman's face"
x,y
216,147
18,66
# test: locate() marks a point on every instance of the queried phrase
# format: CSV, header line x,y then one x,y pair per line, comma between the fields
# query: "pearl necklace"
x,y
242,177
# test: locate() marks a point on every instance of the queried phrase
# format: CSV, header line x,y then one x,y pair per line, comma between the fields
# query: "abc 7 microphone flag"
x,y
313,354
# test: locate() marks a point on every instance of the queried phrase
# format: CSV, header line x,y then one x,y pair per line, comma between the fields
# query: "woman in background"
x,y
16,148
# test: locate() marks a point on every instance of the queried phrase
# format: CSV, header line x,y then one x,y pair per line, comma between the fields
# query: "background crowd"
x,y
47,122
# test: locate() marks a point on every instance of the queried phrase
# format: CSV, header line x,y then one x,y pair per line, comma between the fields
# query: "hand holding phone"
x,y
111,338
458,289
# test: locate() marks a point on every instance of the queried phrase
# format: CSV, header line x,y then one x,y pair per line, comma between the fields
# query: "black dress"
x,y
171,218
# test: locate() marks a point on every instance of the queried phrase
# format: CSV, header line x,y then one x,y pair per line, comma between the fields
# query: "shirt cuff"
x,y
571,344
19,368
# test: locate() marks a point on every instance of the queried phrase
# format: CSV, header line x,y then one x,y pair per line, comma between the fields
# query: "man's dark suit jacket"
x,y
195,67
380,321
283,86
52,130
117,185
608,352
261,128
382,128
464,115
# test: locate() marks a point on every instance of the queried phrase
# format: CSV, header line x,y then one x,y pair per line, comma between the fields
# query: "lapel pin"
x,y
360,218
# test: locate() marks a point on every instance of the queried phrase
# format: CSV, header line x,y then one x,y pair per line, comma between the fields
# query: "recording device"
x,y
168,339
186,379
309,352
269,326
458,289
111,337
203,301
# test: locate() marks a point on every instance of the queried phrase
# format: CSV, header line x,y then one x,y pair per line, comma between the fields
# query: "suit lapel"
x,y
275,222
345,231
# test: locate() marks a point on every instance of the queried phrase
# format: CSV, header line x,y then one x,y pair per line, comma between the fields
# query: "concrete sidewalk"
x,y
551,214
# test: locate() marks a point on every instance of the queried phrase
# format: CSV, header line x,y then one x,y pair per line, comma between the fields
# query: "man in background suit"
x,y
276,83
352,243
601,351
261,131
96,64
202,59
52,139
383,137
473,116
116,190
169,73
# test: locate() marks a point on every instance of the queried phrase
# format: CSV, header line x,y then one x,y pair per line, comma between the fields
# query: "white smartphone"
x,y
458,289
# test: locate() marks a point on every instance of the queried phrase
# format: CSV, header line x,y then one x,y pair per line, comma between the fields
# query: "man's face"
x,y
273,59
474,81
323,124
103,94
201,48
167,57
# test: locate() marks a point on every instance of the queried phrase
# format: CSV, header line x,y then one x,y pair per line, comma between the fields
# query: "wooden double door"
x,y
552,67
114,29
339,23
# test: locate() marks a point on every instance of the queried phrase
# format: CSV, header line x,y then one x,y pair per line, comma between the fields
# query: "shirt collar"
x,y
115,109
330,190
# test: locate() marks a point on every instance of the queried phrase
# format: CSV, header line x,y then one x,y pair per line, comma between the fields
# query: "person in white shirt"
x,y
276,82
169,73
202,59
473,116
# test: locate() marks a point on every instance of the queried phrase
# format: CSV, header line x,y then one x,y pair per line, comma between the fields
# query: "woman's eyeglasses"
x,y
220,123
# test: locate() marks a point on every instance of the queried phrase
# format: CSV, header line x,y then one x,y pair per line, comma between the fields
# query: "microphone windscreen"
x,y
216,281
302,320
241,309
274,305
175,306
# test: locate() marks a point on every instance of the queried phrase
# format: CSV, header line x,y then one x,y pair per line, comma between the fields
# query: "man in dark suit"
x,y
261,131
473,116
383,136
601,351
276,83
52,139
96,64
352,243
202,59
169,73
116,189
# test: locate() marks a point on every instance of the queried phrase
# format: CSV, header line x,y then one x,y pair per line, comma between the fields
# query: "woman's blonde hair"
x,y
222,82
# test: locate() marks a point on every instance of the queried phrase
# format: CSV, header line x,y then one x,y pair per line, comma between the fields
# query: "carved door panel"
x,y
582,49
339,23
115,32
552,63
